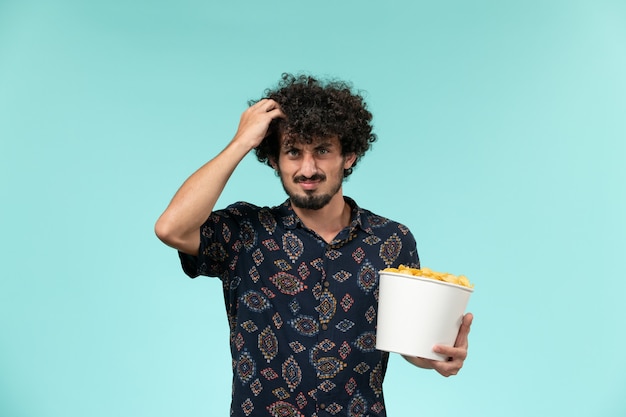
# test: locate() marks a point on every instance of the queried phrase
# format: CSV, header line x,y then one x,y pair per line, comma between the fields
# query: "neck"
x,y
329,220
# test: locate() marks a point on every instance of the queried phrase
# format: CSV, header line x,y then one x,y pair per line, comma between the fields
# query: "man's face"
x,y
312,174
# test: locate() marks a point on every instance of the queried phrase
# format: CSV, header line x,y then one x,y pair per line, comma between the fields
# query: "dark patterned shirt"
x,y
302,312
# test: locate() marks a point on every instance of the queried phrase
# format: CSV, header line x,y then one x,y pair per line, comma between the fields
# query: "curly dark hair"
x,y
318,109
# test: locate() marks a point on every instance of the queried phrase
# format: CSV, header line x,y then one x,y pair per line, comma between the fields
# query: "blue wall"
x,y
501,130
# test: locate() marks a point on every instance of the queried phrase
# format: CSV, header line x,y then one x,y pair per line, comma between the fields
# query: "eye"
x,y
323,151
292,152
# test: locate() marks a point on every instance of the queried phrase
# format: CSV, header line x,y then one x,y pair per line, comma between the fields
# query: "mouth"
x,y
309,183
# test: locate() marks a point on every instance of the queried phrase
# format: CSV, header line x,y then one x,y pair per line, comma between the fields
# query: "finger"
x,y
266,104
260,103
276,113
271,105
453,353
264,110
466,324
448,368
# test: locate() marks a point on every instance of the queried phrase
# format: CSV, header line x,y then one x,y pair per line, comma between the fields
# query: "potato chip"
x,y
429,273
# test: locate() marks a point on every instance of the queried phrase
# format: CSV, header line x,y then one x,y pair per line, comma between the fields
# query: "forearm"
x,y
192,204
179,226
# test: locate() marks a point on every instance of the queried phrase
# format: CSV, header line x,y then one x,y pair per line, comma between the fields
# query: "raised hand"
x,y
255,122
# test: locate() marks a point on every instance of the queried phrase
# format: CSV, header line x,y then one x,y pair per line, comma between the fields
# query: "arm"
x,y
179,225
456,354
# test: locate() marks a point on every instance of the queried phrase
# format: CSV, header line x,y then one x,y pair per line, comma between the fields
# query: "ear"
x,y
348,160
272,162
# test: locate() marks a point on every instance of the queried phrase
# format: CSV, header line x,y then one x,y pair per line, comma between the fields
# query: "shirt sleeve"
x,y
191,265
217,248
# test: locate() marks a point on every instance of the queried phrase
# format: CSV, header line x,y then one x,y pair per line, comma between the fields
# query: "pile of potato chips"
x,y
429,273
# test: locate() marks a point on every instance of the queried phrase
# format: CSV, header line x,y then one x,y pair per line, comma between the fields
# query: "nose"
x,y
309,165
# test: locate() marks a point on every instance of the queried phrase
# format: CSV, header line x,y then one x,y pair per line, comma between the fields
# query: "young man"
x,y
300,280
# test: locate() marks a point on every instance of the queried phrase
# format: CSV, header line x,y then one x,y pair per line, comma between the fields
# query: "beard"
x,y
310,200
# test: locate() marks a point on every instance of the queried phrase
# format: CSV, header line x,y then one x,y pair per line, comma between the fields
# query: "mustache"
x,y
316,177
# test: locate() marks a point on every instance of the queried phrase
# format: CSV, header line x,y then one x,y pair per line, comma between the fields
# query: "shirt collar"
x,y
358,216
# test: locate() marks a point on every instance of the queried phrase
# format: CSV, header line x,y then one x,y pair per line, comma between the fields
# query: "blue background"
x,y
501,145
